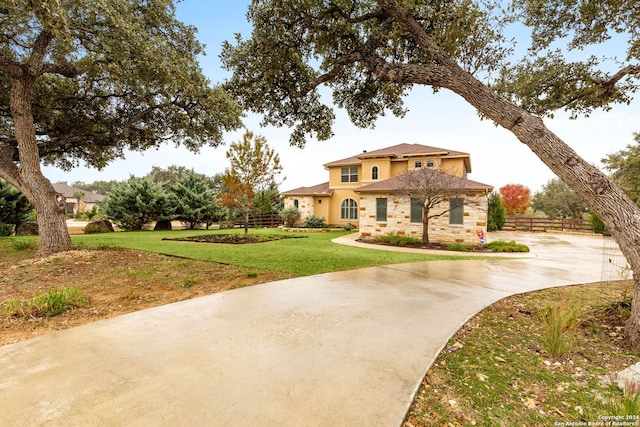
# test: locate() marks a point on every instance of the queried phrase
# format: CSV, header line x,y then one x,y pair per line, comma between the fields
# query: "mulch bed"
x,y
234,238
435,246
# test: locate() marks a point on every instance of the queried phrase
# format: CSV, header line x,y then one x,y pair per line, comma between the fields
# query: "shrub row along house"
x,y
392,189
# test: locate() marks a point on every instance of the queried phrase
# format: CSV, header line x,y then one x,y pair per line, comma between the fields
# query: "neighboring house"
x,y
367,190
87,201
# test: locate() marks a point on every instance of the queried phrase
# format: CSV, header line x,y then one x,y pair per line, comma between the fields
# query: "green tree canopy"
x,y
496,213
269,201
138,201
14,208
625,169
194,202
557,200
99,187
83,81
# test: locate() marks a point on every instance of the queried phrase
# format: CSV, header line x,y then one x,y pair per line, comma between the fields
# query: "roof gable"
x,y
405,181
315,190
399,151
68,192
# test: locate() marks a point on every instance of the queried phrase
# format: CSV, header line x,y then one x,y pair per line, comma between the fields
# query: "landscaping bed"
x,y
409,242
234,238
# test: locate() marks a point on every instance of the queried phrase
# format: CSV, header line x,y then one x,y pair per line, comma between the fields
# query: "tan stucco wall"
x,y
454,167
322,205
335,175
336,201
384,170
399,217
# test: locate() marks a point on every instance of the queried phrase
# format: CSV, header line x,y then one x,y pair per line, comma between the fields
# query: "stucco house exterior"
x,y
367,191
87,201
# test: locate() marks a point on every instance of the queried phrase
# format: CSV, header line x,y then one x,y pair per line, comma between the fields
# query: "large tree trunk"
x,y
620,215
50,206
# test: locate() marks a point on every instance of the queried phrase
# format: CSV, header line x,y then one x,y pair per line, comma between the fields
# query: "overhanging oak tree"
x,y
371,52
83,81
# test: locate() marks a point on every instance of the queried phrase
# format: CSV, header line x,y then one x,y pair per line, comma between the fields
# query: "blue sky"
x,y
441,120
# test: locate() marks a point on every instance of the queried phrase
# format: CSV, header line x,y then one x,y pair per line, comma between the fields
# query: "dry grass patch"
x,y
114,282
499,369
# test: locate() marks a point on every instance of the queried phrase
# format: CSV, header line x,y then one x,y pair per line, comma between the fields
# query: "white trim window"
x,y
349,174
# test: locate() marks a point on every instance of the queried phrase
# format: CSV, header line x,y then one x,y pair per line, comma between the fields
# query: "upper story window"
x,y
417,164
349,174
296,203
430,163
374,172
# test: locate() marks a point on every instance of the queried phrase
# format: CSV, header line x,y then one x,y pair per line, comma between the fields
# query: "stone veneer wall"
x,y
305,206
399,217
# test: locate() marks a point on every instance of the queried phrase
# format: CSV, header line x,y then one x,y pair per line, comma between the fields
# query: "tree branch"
x,y
330,75
11,67
629,70
36,59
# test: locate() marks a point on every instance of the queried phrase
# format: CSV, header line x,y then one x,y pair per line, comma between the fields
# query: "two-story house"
x,y
365,190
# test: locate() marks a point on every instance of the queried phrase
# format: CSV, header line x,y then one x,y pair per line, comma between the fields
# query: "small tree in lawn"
x,y
136,202
254,167
431,188
516,199
496,216
194,202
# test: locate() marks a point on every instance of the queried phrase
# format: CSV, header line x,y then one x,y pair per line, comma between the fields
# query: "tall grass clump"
x,y
22,245
557,321
47,304
626,405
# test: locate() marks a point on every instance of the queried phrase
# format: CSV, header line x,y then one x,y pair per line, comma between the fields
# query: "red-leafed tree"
x,y
516,198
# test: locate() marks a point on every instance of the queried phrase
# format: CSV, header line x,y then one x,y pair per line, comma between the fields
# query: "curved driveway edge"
x,y
338,349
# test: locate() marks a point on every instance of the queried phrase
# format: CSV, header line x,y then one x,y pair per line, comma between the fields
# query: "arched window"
x,y
296,204
374,172
349,209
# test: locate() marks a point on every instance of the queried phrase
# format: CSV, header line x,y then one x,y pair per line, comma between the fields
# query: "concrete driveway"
x,y
337,349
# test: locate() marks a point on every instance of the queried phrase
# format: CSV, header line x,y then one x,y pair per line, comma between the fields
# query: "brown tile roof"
x,y
397,151
316,190
404,182
67,191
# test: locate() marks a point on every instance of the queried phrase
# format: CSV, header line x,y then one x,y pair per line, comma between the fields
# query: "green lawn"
x,y
313,254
